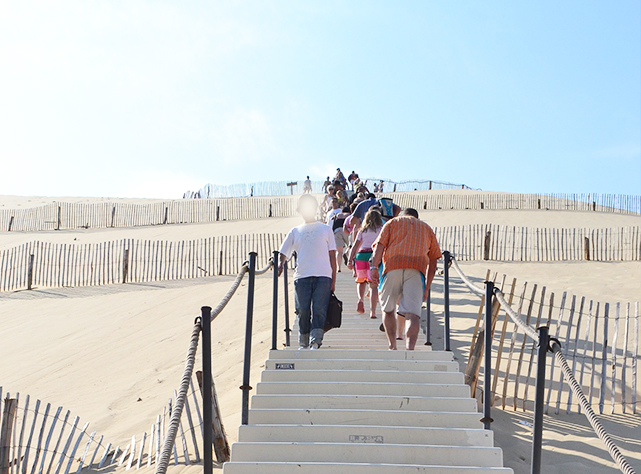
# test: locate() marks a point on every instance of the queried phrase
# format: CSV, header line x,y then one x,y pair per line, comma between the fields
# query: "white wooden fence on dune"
x,y
48,265
66,216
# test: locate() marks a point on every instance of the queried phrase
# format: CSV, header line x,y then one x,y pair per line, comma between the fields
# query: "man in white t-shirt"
x,y
315,275
334,211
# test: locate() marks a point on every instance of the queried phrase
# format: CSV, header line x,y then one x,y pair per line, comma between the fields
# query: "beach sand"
x,y
114,354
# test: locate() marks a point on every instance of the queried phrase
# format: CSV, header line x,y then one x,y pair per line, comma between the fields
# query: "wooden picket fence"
x,y
35,439
600,342
529,244
49,265
67,216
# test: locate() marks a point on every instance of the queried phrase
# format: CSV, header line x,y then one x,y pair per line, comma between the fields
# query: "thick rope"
x,y
269,265
172,431
603,435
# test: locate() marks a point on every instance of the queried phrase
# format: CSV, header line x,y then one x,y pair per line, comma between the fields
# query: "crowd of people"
x,y
391,253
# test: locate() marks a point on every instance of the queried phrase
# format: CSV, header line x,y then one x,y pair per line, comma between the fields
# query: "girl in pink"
x,y
359,259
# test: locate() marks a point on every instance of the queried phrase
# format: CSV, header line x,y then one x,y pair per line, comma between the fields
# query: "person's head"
x,y
352,171
373,219
337,184
346,209
307,207
328,178
371,196
352,207
342,194
330,190
335,203
409,212
308,177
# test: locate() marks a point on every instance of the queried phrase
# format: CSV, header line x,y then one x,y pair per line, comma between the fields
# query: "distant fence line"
x,y
285,188
67,216
47,265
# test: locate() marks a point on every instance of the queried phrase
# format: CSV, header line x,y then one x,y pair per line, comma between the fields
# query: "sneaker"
x,y
314,346
345,258
303,348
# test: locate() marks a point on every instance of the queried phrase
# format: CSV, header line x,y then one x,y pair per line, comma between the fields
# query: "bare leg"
x,y
400,326
414,324
373,299
389,322
339,258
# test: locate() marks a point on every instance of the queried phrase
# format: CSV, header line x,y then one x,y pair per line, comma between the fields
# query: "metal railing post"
x,y
428,323
208,416
275,302
537,435
286,304
487,371
245,387
446,296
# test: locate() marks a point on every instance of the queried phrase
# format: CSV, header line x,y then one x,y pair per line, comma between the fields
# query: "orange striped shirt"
x,y
408,243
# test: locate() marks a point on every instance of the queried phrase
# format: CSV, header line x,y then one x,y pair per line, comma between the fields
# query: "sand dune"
x,y
97,351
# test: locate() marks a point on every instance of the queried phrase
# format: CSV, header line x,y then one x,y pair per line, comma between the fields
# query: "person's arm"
x,y
352,253
431,270
356,226
375,261
332,262
281,265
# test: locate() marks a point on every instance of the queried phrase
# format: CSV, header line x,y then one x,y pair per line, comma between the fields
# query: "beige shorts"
x,y
404,287
341,238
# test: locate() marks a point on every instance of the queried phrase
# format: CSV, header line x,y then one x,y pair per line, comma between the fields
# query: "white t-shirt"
x,y
312,243
332,213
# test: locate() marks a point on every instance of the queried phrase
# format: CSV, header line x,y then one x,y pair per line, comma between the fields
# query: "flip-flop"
x,y
360,308
372,316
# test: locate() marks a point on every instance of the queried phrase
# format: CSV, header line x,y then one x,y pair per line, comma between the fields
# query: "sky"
x,y
132,98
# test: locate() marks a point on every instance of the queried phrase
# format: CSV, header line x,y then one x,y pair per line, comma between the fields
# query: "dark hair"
x,y
371,196
346,209
410,212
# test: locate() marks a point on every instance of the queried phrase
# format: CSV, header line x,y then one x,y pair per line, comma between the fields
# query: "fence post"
x,y
428,325
537,435
487,370
486,245
275,301
30,273
113,215
208,416
446,296
125,265
586,248
10,224
166,215
59,218
10,406
217,213
245,387
430,185
286,303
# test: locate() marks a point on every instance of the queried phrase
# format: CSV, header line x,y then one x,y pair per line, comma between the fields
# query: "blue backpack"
x,y
387,208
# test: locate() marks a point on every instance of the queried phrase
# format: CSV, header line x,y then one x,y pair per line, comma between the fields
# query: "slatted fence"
x,y
66,216
599,340
49,265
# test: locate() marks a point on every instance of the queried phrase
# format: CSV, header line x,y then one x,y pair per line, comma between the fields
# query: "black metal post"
x,y
537,437
428,320
245,387
286,303
446,296
487,371
208,415
275,302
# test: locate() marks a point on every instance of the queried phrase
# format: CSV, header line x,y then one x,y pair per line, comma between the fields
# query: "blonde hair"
x,y
373,220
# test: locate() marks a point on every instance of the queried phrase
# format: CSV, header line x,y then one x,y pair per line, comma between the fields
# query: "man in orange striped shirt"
x,y
408,250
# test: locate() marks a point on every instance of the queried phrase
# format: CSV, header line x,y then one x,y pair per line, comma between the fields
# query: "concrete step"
x,y
307,416
366,434
361,354
352,468
361,364
368,453
369,402
363,388
391,376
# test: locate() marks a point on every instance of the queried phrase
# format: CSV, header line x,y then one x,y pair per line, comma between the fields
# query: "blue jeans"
x,y
312,300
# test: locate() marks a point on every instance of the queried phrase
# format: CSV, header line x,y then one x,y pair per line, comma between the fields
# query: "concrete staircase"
x,y
354,407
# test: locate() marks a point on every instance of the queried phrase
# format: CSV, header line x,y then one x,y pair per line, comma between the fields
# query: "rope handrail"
x,y
172,431
555,347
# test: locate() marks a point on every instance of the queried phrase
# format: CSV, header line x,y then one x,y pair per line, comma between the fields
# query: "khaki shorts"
x,y
404,287
341,238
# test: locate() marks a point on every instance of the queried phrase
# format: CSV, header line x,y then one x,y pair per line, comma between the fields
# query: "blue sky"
x,y
152,98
